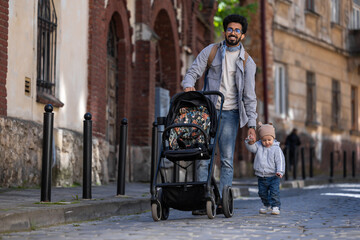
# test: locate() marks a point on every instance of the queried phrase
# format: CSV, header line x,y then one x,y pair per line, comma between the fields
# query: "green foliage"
x,y
227,7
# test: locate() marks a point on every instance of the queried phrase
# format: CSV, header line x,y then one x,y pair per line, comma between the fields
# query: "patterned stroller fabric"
x,y
190,137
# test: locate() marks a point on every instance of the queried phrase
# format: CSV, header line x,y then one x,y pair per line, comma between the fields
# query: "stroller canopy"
x,y
192,98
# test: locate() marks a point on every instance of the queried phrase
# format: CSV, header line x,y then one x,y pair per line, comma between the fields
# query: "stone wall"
x,y
21,155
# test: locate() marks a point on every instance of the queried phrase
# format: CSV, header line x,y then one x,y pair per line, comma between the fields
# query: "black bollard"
x,y
295,163
122,158
87,156
344,165
353,160
47,154
286,162
311,162
303,163
331,164
154,152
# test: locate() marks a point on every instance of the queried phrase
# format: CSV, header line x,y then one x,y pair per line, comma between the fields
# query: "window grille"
x,y
355,17
311,97
335,11
46,48
310,5
336,103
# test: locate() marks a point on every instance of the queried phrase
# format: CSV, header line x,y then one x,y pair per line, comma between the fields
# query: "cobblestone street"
x,y
316,212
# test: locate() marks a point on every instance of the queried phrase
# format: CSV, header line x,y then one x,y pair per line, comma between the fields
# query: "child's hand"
x,y
250,139
279,175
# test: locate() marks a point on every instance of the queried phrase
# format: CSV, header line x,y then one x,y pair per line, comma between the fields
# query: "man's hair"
x,y
237,19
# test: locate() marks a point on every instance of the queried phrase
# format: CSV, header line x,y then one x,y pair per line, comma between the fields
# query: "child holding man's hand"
x,y
269,166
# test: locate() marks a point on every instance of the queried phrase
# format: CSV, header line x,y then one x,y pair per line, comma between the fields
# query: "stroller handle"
x,y
214,93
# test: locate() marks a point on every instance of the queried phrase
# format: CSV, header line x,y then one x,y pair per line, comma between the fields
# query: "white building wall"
x,y
71,62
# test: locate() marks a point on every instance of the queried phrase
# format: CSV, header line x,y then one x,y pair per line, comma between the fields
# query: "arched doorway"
x,y
166,57
111,97
166,74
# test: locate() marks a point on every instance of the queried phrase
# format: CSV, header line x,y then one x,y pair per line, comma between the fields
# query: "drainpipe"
x,y
264,62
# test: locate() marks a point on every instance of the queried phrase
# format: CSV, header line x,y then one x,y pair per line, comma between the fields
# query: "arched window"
x,y
46,53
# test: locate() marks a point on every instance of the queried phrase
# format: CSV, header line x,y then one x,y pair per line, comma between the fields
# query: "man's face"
x,y
232,36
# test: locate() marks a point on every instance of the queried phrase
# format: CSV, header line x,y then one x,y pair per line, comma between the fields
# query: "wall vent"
x,y
27,86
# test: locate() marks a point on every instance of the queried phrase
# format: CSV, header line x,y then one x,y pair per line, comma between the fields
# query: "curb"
x,y
50,215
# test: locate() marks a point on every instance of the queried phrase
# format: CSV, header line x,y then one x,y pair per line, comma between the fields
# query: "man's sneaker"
x,y
275,211
199,212
265,209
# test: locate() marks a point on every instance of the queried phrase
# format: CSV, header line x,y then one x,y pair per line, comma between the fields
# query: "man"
x,y
227,75
292,143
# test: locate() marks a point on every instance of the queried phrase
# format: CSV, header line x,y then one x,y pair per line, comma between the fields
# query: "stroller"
x,y
190,135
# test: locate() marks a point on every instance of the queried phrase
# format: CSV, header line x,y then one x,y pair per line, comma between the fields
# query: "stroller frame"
x,y
193,195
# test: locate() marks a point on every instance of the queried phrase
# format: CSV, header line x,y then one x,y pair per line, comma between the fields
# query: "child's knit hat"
x,y
266,129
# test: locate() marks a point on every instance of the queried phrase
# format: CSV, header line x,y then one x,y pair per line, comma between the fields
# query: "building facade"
x,y
109,58
309,77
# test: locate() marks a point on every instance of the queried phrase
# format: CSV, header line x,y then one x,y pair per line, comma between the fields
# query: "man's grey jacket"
x,y
244,82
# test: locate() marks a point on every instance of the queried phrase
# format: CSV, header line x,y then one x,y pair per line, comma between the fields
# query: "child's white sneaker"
x,y
265,209
275,211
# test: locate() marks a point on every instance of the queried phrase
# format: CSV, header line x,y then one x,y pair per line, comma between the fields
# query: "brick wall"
x,y
4,19
97,67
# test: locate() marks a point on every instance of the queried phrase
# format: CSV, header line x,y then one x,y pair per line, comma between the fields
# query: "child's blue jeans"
x,y
269,191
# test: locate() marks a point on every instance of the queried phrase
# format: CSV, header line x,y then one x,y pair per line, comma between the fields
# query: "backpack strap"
x,y
212,55
246,57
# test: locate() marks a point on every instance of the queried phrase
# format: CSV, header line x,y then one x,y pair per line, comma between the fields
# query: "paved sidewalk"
x,y
20,209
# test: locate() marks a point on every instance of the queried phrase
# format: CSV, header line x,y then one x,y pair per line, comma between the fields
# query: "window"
x,y
354,108
310,5
355,17
310,98
46,53
336,104
280,90
335,11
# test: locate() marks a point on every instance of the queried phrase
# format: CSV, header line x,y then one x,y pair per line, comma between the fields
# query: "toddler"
x,y
269,166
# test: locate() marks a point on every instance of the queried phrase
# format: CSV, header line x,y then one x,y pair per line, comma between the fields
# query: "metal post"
x,y
295,163
303,163
353,164
87,156
311,162
122,158
175,173
287,163
344,164
154,151
47,153
331,164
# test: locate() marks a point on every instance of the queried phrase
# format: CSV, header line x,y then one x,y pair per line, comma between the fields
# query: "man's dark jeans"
x,y
269,191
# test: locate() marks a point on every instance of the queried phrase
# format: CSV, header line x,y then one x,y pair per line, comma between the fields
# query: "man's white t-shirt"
x,y
228,83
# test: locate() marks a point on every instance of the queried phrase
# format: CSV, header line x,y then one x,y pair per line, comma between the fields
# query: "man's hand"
x,y
279,175
188,89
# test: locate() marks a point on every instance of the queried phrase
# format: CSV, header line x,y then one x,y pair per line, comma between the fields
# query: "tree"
x,y
226,7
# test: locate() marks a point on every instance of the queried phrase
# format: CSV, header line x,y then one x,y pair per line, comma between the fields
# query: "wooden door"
x,y
111,107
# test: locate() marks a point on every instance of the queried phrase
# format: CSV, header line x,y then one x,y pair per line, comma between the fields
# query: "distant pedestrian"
x,y
292,142
269,166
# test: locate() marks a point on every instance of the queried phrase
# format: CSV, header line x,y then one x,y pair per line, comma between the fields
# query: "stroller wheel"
x,y
165,213
165,210
156,211
228,202
211,208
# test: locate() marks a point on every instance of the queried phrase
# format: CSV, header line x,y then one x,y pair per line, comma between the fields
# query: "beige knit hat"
x,y
266,129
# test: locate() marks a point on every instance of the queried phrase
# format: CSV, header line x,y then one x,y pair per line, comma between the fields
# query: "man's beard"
x,y
232,42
